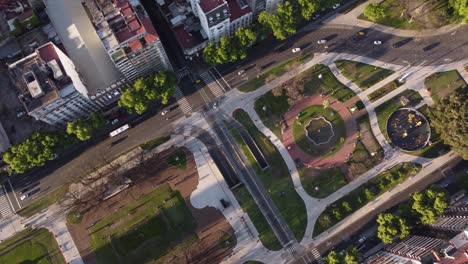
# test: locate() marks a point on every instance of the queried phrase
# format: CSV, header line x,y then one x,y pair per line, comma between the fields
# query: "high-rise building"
x,y
128,36
50,87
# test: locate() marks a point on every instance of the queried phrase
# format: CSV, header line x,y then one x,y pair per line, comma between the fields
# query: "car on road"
x,y
296,50
401,43
321,41
377,42
361,33
362,239
165,111
240,72
336,6
429,47
24,196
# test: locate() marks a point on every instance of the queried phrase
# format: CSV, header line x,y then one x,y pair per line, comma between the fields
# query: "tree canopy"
x,y
449,119
352,256
460,7
307,7
391,226
161,86
282,23
246,36
430,203
33,152
83,129
333,258
374,11
230,49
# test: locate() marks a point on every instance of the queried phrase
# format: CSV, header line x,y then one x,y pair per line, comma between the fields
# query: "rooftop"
x,y
236,10
208,5
187,39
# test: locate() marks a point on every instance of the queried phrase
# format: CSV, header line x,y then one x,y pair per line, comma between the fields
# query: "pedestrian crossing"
x,y
183,102
187,130
5,206
211,83
317,255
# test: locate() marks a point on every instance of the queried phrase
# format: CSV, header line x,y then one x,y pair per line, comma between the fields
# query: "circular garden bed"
x,y
318,131
408,129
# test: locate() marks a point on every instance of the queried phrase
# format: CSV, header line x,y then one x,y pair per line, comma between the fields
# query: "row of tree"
x,y
230,49
351,256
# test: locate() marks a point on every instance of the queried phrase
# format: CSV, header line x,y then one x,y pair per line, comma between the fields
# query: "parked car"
x,y
321,41
24,196
336,6
165,111
362,239
377,42
296,50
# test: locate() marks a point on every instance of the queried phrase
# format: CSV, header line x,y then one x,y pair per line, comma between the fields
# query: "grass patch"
x,y
362,195
306,144
384,110
363,75
441,84
145,230
178,159
379,93
31,246
74,217
276,178
154,143
43,202
322,183
270,109
274,72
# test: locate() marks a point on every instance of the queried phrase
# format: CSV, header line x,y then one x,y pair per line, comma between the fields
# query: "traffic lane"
x,y
100,154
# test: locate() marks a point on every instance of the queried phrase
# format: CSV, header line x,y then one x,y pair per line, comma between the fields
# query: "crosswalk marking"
x,y
187,130
317,255
5,206
183,102
214,87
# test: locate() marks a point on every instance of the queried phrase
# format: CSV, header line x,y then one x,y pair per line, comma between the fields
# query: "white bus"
x,y
119,130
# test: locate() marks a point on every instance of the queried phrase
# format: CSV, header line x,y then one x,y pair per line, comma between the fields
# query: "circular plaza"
x,y
408,129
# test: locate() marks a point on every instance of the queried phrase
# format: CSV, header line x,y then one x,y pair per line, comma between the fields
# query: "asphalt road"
x,y
452,46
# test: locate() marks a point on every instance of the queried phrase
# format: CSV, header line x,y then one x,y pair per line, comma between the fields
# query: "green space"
x,y
276,178
363,194
414,15
322,183
178,159
272,73
145,230
379,93
43,202
363,75
149,145
270,109
306,144
367,153
31,246
384,110
441,84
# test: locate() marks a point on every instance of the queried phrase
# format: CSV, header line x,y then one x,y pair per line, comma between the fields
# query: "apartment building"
x,y
50,88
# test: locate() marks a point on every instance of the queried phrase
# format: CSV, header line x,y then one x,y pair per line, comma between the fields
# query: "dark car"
x,y
429,47
401,42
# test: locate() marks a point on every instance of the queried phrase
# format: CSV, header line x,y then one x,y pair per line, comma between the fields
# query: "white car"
x,y
377,42
24,196
165,111
296,50
336,6
321,41
240,72
362,239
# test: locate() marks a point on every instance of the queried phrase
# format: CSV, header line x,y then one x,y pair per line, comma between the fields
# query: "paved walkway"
x,y
321,162
350,19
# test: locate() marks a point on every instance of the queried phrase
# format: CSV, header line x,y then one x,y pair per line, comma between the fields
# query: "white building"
x,y
214,18
241,15
50,87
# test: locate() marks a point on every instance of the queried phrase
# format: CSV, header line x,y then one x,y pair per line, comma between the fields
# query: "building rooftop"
x,y
237,9
187,39
208,5
40,77
82,44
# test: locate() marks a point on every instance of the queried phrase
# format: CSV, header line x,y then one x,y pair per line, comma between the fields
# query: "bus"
x,y
119,130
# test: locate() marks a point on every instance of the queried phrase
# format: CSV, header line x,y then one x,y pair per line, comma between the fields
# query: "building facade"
x,y
128,36
50,88
241,15
214,18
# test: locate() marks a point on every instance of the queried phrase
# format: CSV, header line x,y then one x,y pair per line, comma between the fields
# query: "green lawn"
x,y
276,178
384,110
178,159
274,72
155,142
45,201
363,75
362,195
328,181
271,108
382,91
303,141
145,230
31,246
442,84
434,15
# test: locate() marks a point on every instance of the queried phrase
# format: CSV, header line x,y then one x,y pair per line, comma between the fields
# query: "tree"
x,y
460,7
374,12
391,226
449,119
333,258
146,90
307,7
346,206
246,37
282,23
33,152
326,103
430,203
228,50
209,54
352,256
81,128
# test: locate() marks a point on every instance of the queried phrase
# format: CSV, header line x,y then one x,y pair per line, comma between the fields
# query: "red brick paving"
x,y
339,157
